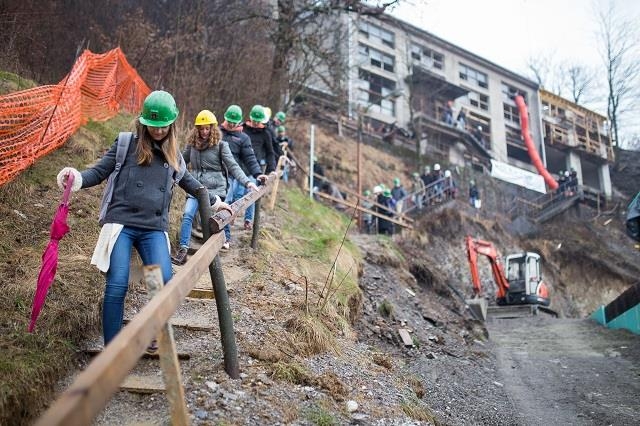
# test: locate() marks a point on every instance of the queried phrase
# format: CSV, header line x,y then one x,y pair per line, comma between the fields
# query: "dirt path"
x,y
568,371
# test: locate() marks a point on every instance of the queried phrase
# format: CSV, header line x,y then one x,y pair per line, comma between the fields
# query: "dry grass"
x,y
291,372
383,360
416,386
311,334
418,410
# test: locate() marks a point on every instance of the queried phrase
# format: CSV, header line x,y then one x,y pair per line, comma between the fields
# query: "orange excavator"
x,y
521,285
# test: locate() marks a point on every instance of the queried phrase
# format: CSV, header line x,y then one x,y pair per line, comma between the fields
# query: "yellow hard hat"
x,y
205,117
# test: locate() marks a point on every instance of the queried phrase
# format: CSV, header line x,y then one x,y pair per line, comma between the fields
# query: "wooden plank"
x,y
143,384
405,336
168,355
202,293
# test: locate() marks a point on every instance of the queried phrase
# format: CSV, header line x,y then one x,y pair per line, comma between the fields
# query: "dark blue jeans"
x,y
153,249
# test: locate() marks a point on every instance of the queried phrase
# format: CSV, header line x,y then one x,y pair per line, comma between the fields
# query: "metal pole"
x,y
225,318
359,169
311,154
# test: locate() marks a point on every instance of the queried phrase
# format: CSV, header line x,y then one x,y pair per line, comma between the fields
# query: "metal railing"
x,y
431,195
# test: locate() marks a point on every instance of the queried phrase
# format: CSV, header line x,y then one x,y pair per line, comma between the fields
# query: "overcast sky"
x,y
509,32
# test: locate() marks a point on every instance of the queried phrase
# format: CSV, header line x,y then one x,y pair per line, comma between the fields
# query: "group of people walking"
x,y
227,159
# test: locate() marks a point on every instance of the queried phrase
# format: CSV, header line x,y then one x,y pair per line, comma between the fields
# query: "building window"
x,y
376,58
427,57
478,100
511,114
473,76
374,32
374,93
509,93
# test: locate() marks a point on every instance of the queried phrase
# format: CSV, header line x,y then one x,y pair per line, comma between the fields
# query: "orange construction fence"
x,y
37,121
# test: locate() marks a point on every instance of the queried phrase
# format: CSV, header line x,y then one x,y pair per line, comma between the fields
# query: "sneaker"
x,y
248,225
181,256
226,245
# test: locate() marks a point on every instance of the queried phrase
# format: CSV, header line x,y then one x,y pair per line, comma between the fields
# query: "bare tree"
x,y
580,82
620,56
570,80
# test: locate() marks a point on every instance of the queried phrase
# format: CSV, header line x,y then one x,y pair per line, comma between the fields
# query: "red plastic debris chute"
x,y
59,229
533,152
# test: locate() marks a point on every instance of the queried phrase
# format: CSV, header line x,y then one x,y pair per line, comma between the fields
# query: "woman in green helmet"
x,y
137,214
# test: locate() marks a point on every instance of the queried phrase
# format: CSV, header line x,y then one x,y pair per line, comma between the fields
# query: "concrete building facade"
x,y
402,77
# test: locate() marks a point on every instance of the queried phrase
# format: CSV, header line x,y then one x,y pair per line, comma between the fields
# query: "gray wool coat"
x,y
207,168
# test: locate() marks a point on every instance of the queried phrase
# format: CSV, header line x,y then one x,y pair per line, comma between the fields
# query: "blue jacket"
x,y
141,194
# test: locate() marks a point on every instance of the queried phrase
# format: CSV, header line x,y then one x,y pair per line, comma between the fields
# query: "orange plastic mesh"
x,y
37,121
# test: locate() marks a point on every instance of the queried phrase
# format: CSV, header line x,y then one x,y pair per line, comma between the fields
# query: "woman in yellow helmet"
x,y
211,161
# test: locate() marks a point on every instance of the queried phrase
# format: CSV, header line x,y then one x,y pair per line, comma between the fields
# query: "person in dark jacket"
x,y
138,213
240,146
263,148
270,125
398,193
385,199
211,161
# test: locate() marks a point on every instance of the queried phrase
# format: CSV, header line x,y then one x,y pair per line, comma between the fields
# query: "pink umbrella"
x,y
59,229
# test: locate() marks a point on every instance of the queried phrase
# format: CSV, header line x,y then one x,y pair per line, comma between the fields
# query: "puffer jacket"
x,y
141,194
262,146
207,168
240,146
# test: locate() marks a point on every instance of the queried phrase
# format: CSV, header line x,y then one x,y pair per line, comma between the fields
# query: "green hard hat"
x,y
386,193
159,109
257,113
280,129
396,181
233,114
367,193
281,116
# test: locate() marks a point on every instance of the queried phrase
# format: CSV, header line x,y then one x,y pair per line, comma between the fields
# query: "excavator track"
x,y
518,311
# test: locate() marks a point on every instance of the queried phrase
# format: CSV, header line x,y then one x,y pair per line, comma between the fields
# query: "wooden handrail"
x,y
362,209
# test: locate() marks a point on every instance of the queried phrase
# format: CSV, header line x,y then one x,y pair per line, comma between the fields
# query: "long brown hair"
x,y
214,138
145,146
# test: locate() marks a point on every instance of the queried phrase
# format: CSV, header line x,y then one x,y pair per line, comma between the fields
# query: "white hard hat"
x,y
436,167
447,173
377,189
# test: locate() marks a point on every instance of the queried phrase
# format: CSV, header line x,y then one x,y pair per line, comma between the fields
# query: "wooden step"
x,y
95,350
186,324
136,383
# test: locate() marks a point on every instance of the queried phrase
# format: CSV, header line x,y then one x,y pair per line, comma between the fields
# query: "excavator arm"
x,y
485,248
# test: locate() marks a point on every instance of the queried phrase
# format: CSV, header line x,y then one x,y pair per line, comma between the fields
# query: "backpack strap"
x,y
225,171
124,139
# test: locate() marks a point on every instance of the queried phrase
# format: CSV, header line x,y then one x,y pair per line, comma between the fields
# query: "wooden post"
x,y
168,355
274,190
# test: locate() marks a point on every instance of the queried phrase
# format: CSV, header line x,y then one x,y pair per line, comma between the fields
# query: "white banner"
x,y
517,176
